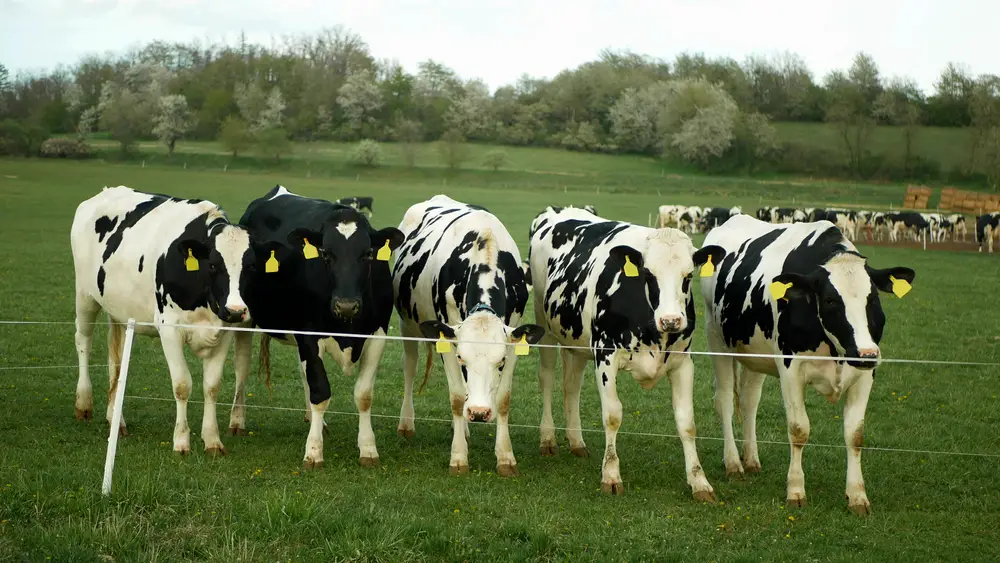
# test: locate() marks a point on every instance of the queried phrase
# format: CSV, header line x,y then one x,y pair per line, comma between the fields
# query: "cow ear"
x,y
298,237
625,258
884,279
791,286
434,329
716,253
531,333
391,234
198,248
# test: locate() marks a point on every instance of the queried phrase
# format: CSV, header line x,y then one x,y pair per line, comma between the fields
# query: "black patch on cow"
x,y
738,326
100,279
141,258
103,226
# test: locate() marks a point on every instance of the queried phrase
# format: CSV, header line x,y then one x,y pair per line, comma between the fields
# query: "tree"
x,y
360,100
272,116
899,104
453,149
368,153
698,120
124,114
173,120
991,157
235,135
471,112
850,109
495,159
409,135
4,88
635,118
85,125
984,113
273,142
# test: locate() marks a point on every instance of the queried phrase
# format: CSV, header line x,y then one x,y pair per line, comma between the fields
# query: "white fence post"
x,y
116,416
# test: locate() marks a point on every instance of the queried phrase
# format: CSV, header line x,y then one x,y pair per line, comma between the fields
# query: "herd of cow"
x,y
872,225
796,301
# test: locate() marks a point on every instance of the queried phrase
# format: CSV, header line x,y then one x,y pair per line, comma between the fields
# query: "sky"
x,y
497,41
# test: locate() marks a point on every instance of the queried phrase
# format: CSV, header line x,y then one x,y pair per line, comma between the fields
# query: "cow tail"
x,y
116,346
264,360
427,367
737,369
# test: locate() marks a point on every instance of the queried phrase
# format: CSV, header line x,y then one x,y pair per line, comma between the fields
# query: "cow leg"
x,y
86,313
546,378
411,355
751,384
180,376
506,462
116,345
725,375
573,367
854,419
370,357
212,368
682,387
793,394
242,354
319,398
459,463
611,410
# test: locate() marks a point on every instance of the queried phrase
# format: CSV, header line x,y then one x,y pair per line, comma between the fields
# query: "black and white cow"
x,y
623,293
765,214
713,217
328,271
362,204
907,223
162,260
458,278
987,228
958,226
801,291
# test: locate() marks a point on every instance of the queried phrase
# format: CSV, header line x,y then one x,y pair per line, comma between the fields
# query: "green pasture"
x,y
257,503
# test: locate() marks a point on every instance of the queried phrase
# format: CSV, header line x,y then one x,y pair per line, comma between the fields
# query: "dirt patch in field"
x,y
950,246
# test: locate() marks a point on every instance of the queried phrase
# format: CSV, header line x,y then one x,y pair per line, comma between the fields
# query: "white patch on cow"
x,y
849,277
482,345
347,228
281,191
668,257
232,243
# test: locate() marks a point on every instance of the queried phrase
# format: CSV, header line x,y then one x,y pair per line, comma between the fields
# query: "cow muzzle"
x,y
479,414
866,358
670,324
234,314
346,308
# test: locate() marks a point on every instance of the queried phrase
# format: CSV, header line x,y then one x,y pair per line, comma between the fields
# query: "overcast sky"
x,y
498,40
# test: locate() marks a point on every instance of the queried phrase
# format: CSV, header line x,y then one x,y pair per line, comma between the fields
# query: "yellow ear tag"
x,y
271,266
521,348
442,346
900,287
707,269
778,289
308,250
384,253
191,263
630,270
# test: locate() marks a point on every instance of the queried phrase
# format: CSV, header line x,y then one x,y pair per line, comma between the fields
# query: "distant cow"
x,y
716,216
802,291
622,293
330,273
362,204
987,229
908,223
458,277
162,260
668,215
958,225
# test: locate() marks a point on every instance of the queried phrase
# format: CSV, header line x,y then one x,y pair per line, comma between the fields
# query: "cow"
x,y
689,220
765,214
958,226
799,291
362,204
620,295
458,278
877,225
668,214
937,227
913,224
590,209
195,275
987,228
327,271
715,216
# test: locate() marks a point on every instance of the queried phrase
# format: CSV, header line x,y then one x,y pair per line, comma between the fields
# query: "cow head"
x,y
221,263
345,248
483,354
844,294
664,271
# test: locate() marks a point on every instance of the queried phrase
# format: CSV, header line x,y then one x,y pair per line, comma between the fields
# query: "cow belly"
x,y
125,294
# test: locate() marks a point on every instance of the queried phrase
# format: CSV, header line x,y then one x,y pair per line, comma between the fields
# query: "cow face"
x,y
483,355
844,293
345,249
222,268
665,270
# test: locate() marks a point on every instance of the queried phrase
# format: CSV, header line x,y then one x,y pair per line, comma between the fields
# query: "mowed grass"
x,y
257,504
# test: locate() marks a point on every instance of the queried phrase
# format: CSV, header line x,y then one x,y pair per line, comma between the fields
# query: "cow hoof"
x,y
406,432
735,475
752,467
582,451
237,431
548,449
369,462
183,451
311,464
614,489
861,509
216,451
796,502
458,469
122,432
705,496
84,414
507,470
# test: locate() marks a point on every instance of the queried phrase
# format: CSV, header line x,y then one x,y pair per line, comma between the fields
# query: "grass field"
x,y
257,504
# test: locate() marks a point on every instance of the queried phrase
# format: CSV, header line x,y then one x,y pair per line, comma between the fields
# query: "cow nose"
x,y
670,323
346,307
480,414
237,313
868,353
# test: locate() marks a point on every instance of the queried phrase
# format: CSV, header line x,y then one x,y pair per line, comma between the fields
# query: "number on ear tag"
x,y
779,289
521,348
630,270
384,253
308,250
442,346
900,287
191,263
707,269
271,266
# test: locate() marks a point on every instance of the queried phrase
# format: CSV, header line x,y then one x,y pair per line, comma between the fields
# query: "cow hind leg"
x,y
725,375
854,418
86,314
751,384
116,345
682,388
212,368
411,355
573,368
242,355
793,394
546,379
370,357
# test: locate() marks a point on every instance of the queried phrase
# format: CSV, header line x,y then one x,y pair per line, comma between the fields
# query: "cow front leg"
x,y
242,354
611,411
682,387
854,420
180,377
370,357
411,354
319,399
459,463
573,368
546,377
506,463
725,375
212,368
751,385
793,395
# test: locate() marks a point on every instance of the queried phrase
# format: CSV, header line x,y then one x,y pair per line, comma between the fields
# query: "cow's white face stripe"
x,y
482,339
849,278
232,243
668,257
347,229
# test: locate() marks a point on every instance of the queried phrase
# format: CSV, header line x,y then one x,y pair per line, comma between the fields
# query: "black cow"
x,y
362,204
987,227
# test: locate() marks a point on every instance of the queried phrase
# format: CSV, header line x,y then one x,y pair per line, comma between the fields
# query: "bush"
x,y
798,158
235,136
495,159
368,153
454,151
16,139
273,142
65,148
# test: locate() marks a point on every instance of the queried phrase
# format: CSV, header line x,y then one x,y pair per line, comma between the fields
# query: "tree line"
x,y
715,114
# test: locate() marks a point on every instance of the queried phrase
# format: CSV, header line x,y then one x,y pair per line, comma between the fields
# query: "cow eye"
x,y
367,255
461,361
830,302
502,363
